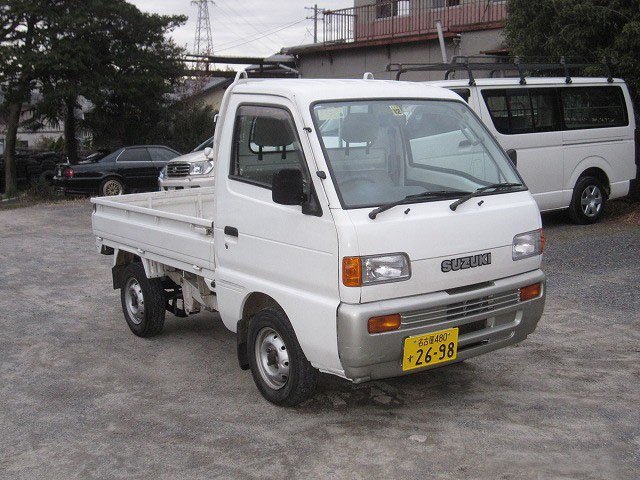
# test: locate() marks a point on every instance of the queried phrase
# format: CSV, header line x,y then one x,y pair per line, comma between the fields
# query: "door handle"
x,y
231,231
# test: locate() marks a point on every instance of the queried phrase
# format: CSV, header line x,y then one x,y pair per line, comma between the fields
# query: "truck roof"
x,y
501,82
313,90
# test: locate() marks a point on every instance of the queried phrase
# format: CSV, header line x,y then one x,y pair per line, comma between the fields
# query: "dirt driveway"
x,y
81,397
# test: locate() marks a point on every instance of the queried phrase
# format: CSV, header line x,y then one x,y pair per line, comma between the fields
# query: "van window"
x,y
593,107
264,142
528,110
510,110
546,115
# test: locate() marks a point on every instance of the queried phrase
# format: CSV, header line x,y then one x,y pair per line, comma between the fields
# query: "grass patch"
x,y
39,191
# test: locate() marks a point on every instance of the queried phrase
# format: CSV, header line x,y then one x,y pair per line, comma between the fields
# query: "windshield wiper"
x,y
388,206
469,196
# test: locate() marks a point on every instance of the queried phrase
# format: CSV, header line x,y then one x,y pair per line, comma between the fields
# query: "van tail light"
x,y
530,292
67,172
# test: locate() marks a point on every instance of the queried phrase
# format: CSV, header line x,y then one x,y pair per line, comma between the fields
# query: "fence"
x,y
398,18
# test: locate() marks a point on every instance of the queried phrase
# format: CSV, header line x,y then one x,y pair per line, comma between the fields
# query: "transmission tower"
x,y
203,44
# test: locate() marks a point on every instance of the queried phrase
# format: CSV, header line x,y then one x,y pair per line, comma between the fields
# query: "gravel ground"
x,y
81,397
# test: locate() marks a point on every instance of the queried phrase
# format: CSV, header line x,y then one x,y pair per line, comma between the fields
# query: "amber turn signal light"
x,y
351,271
531,291
385,323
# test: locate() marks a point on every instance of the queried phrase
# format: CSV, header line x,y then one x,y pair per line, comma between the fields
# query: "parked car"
x,y
126,169
192,170
574,143
32,166
382,250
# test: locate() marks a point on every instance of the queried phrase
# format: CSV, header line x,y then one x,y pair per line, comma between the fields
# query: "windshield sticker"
x,y
331,113
396,110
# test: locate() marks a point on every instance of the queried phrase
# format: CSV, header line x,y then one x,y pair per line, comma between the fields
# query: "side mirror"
x,y
513,155
288,187
215,118
208,152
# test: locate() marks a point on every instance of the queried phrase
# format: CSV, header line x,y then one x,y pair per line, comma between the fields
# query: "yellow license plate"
x,y
430,349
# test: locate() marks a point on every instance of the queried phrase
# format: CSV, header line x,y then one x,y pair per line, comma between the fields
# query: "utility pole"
x,y
203,44
315,20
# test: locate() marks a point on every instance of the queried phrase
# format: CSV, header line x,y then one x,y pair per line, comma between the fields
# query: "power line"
x,y
233,10
263,35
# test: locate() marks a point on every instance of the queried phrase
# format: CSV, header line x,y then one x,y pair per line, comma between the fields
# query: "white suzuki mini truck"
x,y
366,229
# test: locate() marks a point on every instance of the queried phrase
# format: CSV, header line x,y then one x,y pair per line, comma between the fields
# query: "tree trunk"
x,y
70,124
10,174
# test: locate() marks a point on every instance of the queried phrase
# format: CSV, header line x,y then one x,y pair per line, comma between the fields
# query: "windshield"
x,y
381,151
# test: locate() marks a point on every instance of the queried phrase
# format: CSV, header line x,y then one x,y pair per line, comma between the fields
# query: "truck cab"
x,y
361,228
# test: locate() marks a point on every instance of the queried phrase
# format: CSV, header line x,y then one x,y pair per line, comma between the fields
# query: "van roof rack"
x,y
497,64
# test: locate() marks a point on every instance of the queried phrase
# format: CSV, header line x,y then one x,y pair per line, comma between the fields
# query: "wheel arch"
x,y
253,303
592,167
122,259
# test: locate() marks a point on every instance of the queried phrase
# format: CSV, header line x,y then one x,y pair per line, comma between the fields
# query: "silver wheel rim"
x,y
272,358
591,201
134,301
112,187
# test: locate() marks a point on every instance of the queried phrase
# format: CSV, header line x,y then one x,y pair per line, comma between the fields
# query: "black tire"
x,y
111,186
588,201
301,378
141,293
47,176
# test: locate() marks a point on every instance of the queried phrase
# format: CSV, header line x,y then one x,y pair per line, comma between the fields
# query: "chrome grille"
x,y
178,169
460,310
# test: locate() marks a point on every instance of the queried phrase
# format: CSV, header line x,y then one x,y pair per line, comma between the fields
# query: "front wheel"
x,y
588,201
143,301
280,369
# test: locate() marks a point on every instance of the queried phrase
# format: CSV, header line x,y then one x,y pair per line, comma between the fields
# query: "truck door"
x,y
261,246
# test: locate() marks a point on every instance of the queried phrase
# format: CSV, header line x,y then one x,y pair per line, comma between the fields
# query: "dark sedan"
x,y
125,170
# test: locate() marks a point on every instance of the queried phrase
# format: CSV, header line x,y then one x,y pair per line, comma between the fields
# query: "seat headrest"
x,y
272,132
359,128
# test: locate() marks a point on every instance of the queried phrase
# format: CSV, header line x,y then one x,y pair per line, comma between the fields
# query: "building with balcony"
x,y
372,34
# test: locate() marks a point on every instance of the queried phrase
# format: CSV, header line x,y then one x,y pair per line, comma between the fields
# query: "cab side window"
x,y
264,142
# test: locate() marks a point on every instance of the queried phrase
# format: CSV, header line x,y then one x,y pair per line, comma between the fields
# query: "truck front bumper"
x,y
489,316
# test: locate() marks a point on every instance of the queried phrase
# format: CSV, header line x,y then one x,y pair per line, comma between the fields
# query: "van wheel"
x,y
280,370
143,301
587,204
111,186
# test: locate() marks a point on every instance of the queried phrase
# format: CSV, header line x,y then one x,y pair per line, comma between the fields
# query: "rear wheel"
x,y
280,369
111,186
143,301
588,201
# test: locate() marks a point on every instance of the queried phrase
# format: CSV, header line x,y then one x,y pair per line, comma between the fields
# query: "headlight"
x,y
360,271
201,168
163,173
528,244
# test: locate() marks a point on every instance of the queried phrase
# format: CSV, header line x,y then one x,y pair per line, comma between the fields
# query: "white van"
x,y
573,142
348,232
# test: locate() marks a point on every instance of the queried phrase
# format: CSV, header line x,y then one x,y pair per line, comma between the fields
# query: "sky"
x,y
246,27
